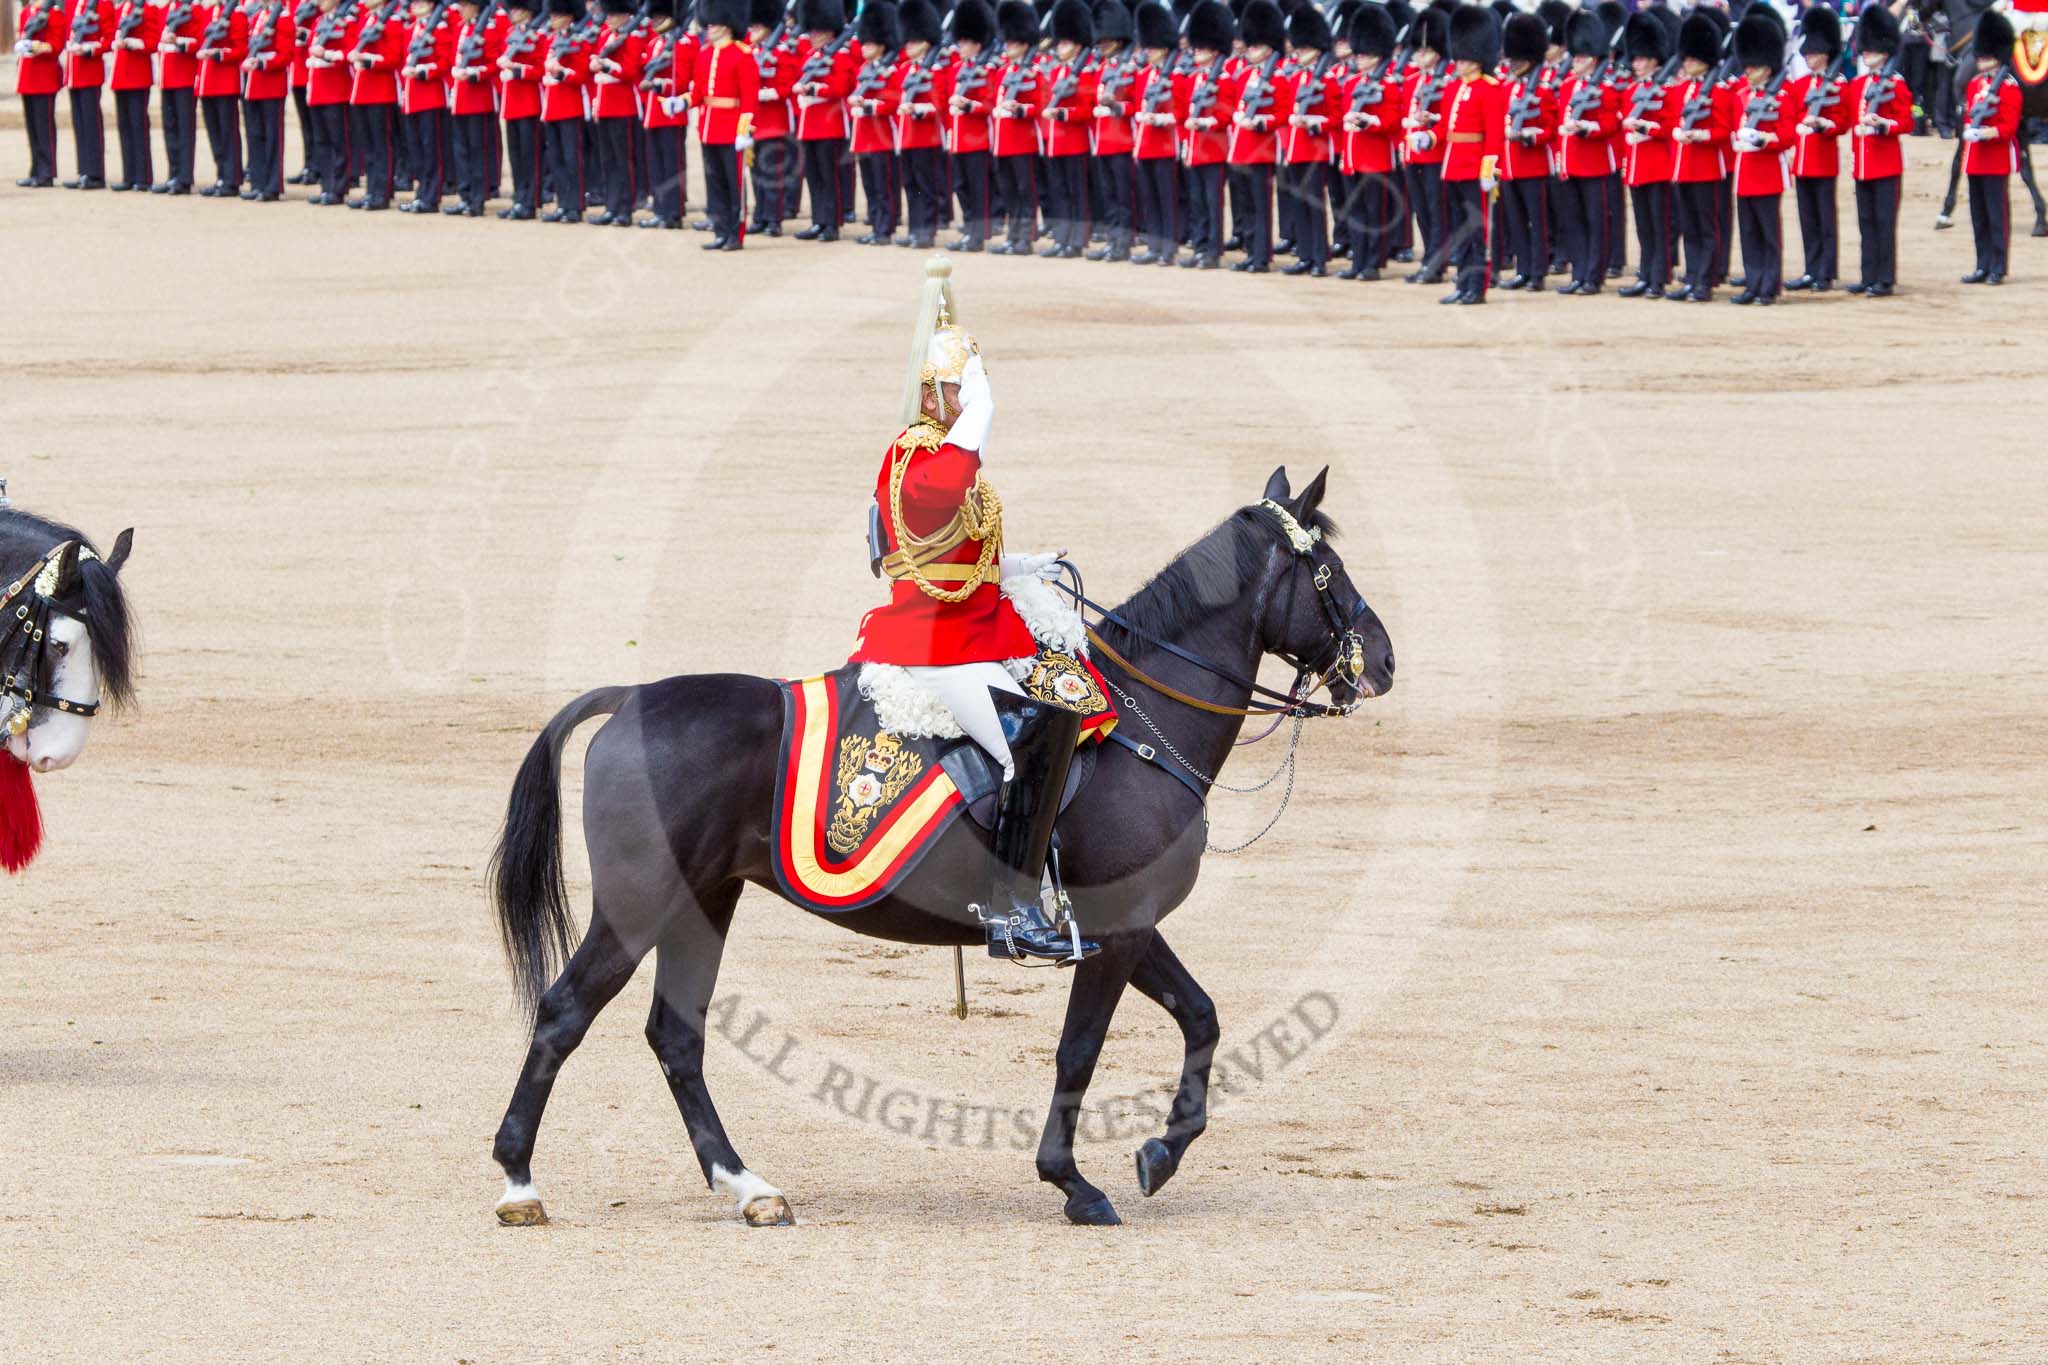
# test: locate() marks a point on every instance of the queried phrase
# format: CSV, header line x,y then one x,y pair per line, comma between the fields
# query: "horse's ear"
x,y
1312,496
66,581
122,544
1276,487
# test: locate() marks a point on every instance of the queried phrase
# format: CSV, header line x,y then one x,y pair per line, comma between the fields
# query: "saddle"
x,y
858,805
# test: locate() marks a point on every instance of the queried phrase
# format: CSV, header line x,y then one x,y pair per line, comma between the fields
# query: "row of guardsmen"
x,y
1475,143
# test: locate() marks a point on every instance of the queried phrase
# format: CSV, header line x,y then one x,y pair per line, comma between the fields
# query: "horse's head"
x,y
64,650
1313,617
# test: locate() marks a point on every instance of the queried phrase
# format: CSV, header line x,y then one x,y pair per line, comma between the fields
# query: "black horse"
x,y
66,650
676,813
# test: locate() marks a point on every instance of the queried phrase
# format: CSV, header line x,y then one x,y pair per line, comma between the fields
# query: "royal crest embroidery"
x,y
872,774
1062,680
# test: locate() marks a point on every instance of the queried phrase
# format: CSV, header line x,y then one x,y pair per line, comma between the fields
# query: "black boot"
x,y
1042,739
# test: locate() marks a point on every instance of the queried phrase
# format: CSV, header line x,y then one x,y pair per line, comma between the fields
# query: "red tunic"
x,y
916,630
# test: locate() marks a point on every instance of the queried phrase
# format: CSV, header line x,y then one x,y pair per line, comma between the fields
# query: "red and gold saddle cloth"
x,y
857,806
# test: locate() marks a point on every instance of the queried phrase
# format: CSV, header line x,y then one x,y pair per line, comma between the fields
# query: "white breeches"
x,y
964,690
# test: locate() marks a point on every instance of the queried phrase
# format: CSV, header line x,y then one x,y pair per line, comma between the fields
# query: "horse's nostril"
x,y
1390,663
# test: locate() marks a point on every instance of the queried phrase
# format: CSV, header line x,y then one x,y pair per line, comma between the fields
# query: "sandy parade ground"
x,y
1653,975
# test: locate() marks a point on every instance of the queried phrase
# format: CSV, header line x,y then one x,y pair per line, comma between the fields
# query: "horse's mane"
x,y
1207,574
107,620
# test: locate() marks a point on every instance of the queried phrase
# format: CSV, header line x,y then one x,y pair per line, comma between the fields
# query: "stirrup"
x,y
1020,936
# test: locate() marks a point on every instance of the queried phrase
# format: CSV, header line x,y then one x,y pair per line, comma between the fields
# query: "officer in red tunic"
x,y
85,68
725,92
138,27
950,625
1474,123
1881,106
38,76
1764,127
1991,126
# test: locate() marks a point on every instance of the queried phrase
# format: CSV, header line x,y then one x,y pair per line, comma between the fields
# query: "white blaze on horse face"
x,y
55,740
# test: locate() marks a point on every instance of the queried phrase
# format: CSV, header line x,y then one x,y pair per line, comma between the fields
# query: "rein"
x,y
24,642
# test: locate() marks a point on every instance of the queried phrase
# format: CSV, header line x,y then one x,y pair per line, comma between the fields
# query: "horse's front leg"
x,y
1091,1002
1160,976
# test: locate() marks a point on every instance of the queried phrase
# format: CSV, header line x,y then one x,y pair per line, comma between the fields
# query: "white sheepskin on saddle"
x,y
905,708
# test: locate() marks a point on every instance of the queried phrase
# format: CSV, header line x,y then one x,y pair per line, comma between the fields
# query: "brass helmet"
x,y
939,346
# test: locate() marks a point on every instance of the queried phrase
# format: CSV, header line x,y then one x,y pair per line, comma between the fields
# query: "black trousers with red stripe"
x,y
131,124
778,180
1465,243
264,120
821,176
1369,217
522,149
615,156
1017,183
1206,194
722,190
1582,226
924,191
426,151
1760,218
181,134
665,171
1991,221
89,131
563,140
469,141
1303,194
1818,229
1652,206
1067,201
1158,203
1699,225
973,183
301,101
330,148
39,114
223,136
1877,228
1526,224
370,145
1116,202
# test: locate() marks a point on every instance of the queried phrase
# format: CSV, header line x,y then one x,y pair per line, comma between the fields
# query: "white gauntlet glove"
x,y
977,409
1046,566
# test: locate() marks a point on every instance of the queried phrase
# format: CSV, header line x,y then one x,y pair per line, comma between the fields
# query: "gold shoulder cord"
x,y
980,518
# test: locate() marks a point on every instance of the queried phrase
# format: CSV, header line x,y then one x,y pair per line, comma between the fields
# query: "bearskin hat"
x,y
877,25
1614,15
917,22
1524,38
1156,26
1699,39
1586,36
974,22
1308,28
1263,25
1994,37
1372,31
1475,37
1646,36
657,10
572,8
623,7
1340,18
1017,22
1210,27
1820,30
1431,29
1878,31
822,16
1073,22
1555,14
1402,13
764,13
1759,41
730,14
1112,22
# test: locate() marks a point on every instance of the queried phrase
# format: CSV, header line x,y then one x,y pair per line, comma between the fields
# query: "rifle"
x,y
655,73
87,26
1982,109
216,33
1701,105
768,56
874,75
262,42
1016,78
1594,88
1070,80
130,21
1648,97
421,49
1879,91
1116,83
1765,104
1202,104
373,28
328,31
614,39
522,39
1524,107
38,20
1372,86
818,65
1160,89
1826,90
1429,93
974,76
469,53
1321,93
1262,98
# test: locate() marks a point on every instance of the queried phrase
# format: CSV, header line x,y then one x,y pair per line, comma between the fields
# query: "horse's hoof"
x,y
1156,1166
2040,229
1942,222
522,1213
768,1211
1092,1211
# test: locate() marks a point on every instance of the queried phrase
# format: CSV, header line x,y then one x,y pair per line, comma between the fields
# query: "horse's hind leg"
x,y
1160,977
685,974
1091,1002
597,971
1947,216
2027,176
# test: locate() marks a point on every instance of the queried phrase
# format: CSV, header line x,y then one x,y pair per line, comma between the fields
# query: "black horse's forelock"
x,y
108,621
1210,572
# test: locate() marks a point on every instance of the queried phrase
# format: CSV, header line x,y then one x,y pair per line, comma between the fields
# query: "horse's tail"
x,y
526,867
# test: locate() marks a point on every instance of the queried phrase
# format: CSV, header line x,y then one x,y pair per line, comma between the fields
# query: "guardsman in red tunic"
x,y
329,39
1207,101
519,65
266,84
1880,109
565,69
1706,121
1649,113
1156,101
615,62
824,80
1112,197
472,106
950,624
1764,126
924,96
1590,111
665,92
1474,124
1013,126
1821,107
38,76
872,106
1317,97
304,16
974,91
223,43
779,52
1530,118
726,93
1423,146
1069,115
1991,125
376,51
177,77
1371,197
423,102
138,27
85,70
1263,101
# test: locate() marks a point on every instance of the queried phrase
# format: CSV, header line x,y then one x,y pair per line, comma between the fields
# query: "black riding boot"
x,y
1042,739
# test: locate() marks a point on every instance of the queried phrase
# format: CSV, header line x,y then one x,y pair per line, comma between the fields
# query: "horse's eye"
x,y
62,649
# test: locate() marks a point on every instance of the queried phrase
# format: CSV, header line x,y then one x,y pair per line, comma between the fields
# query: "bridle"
x,y
1346,660
25,610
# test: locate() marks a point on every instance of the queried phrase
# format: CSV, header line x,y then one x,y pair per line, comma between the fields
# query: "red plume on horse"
x,y
65,644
